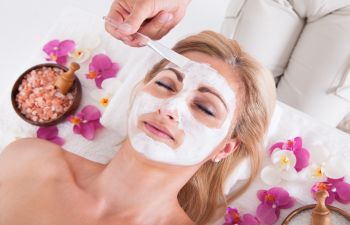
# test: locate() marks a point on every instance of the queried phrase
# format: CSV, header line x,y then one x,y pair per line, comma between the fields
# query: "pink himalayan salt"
x,y
38,99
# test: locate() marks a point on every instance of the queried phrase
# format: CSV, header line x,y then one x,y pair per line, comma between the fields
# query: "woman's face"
x,y
181,115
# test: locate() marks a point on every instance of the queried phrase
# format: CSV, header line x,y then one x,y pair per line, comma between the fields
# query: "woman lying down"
x,y
188,128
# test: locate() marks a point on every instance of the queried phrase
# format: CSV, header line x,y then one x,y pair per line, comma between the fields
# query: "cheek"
x,y
148,89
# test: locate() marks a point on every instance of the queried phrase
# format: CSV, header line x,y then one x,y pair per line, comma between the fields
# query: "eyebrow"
x,y
205,89
178,74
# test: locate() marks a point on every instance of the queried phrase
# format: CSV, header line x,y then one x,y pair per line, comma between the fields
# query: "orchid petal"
x,y
298,143
62,60
266,214
278,145
88,130
330,199
47,132
97,124
342,192
92,67
248,219
65,47
111,71
282,198
77,129
101,61
271,175
98,81
58,140
288,204
90,113
50,46
102,65
261,195
232,216
302,156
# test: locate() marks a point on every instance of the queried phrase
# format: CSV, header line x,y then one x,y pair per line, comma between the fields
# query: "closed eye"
x,y
204,109
159,83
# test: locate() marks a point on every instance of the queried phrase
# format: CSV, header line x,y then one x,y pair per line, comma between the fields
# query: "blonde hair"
x,y
203,193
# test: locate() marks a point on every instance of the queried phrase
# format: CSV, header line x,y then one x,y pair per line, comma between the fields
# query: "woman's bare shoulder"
x,y
28,154
30,147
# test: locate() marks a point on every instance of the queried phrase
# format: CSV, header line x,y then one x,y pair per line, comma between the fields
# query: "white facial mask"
x,y
199,140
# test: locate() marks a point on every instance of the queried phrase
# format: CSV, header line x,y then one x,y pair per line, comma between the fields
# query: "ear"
x,y
230,146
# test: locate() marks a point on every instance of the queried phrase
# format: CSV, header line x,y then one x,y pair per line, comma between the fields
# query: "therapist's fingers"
x,y
154,18
127,39
161,22
117,14
141,11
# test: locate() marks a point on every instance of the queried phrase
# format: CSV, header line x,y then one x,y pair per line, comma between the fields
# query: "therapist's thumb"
x,y
137,16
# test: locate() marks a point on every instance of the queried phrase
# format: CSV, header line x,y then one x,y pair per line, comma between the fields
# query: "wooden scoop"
x,y
321,214
65,81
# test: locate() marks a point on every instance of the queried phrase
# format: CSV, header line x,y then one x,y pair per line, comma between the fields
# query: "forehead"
x,y
207,71
217,64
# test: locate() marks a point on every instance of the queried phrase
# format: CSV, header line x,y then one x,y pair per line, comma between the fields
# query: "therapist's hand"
x,y
154,18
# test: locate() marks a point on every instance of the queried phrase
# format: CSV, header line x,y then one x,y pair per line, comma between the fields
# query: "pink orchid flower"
x,y
86,122
272,201
58,51
302,155
337,190
50,134
232,217
101,68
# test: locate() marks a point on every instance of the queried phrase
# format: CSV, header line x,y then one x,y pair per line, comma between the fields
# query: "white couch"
x,y
306,42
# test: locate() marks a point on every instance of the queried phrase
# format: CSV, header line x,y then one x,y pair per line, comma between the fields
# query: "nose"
x,y
172,114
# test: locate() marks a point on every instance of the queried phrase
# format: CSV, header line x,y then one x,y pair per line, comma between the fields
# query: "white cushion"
x,y
316,68
266,29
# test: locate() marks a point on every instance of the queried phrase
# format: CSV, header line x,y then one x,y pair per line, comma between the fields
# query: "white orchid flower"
x,y
323,164
282,168
104,95
84,48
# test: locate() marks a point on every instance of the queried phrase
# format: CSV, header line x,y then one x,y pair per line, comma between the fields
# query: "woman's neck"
x,y
131,184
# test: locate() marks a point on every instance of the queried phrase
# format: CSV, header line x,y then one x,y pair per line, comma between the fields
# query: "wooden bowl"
x,y
75,90
297,211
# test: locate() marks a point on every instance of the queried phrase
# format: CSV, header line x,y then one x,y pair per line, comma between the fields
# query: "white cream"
x,y
199,140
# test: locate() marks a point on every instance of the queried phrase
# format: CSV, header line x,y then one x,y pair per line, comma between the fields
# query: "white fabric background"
x,y
286,124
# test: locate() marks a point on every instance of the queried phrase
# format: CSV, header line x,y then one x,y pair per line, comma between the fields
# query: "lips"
x,y
157,129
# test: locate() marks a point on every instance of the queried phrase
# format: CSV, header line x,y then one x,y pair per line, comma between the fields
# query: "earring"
x,y
216,160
